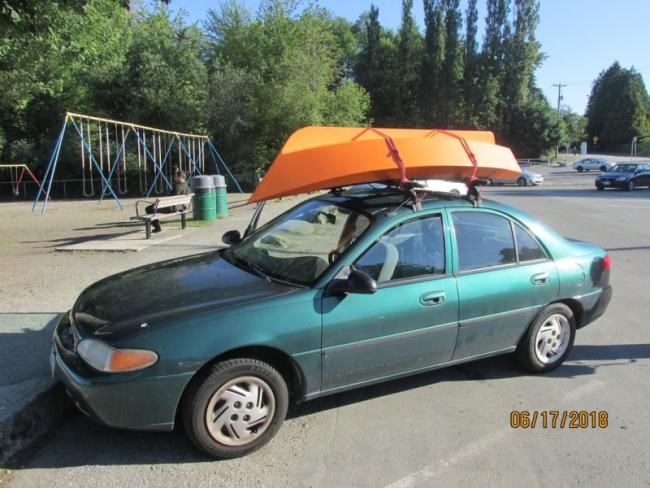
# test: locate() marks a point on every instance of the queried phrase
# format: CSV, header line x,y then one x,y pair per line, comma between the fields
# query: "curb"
x,y
31,423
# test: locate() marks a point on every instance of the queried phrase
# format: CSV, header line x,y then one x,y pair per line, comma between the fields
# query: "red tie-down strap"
x,y
392,149
463,143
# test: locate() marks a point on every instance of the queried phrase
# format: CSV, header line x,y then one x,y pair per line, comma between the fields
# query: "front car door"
x,y
409,323
504,277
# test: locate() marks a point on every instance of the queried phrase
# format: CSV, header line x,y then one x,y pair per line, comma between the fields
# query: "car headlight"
x,y
105,358
621,178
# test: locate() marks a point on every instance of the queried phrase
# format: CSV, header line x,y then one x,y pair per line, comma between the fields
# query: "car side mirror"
x,y
357,282
232,237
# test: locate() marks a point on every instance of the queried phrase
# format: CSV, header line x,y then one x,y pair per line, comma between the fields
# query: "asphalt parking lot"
x,y
446,428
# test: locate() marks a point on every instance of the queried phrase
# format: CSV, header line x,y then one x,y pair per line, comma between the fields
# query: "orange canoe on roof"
x,y
317,158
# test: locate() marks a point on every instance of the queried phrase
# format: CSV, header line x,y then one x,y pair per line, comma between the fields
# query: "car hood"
x,y
146,297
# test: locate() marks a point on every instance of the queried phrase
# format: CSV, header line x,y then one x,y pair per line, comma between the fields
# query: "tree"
x,y
618,106
432,62
471,92
452,78
282,70
407,83
164,74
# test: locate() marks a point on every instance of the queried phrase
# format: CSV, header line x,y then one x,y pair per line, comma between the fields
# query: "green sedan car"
x,y
346,289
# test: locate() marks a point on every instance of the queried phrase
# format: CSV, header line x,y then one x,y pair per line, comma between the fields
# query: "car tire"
x,y
454,191
580,169
217,393
603,168
600,187
630,185
522,182
549,339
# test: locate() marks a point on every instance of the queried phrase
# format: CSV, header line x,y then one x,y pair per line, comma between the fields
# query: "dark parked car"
x,y
344,290
625,175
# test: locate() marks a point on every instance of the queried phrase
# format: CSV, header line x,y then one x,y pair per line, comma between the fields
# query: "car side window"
x,y
528,249
412,249
483,240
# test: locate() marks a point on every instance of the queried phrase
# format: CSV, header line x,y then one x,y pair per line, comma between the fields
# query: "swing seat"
x,y
168,205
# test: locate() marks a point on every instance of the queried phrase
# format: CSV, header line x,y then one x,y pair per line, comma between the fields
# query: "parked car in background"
x,y
625,175
526,178
598,164
455,187
344,290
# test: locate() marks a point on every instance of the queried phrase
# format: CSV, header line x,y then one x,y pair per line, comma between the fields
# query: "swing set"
x,y
16,177
103,147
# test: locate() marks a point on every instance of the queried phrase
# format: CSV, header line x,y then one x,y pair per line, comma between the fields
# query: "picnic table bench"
x,y
164,203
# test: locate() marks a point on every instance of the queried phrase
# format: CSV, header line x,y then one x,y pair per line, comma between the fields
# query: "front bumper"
x,y
611,184
138,400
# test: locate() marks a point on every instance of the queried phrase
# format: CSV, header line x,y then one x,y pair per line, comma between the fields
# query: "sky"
x,y
580,38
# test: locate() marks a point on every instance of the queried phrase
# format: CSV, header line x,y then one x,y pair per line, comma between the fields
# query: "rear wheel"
x,y
235,408
603,168
522,181
549,339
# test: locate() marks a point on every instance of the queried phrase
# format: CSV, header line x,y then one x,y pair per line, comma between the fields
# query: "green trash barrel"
x,y
204,204
221,192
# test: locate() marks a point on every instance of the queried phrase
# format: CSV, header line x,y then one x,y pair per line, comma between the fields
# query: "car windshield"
x,y
300,245
624,168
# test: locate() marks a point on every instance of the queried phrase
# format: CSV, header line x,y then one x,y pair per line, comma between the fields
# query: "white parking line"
x,y
476,447
468,451
582,391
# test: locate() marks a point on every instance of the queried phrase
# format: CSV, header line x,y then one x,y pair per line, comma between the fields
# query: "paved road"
x,y
446,428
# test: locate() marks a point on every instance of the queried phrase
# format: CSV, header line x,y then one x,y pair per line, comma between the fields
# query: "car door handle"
x,y
433,298
539,279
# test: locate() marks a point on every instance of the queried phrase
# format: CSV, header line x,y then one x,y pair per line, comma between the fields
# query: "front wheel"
x,y
630,185
235,408
549,339
522,182
603,168
580,169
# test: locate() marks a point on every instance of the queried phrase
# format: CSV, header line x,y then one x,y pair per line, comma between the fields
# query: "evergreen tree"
x,y
408,63
618,106
432,63
453,66
471,93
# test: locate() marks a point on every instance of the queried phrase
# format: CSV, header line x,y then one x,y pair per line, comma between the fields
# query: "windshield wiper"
x,y
247,265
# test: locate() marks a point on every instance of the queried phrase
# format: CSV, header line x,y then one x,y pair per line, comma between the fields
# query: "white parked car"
x,y
444,186
526,178
598,164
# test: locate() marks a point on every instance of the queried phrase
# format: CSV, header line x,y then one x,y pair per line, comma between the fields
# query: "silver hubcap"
x,y
240,411
552,339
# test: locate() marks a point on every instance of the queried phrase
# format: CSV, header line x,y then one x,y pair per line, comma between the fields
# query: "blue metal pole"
x,y
50,168
115,164
159,168
225,166
92,156
169,149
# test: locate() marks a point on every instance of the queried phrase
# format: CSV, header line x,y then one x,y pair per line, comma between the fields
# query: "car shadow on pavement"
x,y
81,442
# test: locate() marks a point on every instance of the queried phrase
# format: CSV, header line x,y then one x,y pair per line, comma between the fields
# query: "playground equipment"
x,y
16,178
103,147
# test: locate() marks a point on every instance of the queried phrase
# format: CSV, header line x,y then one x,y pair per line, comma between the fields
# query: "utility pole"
x,y
559,99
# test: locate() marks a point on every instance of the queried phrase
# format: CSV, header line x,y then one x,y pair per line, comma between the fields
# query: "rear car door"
x,y
504,277
409,323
